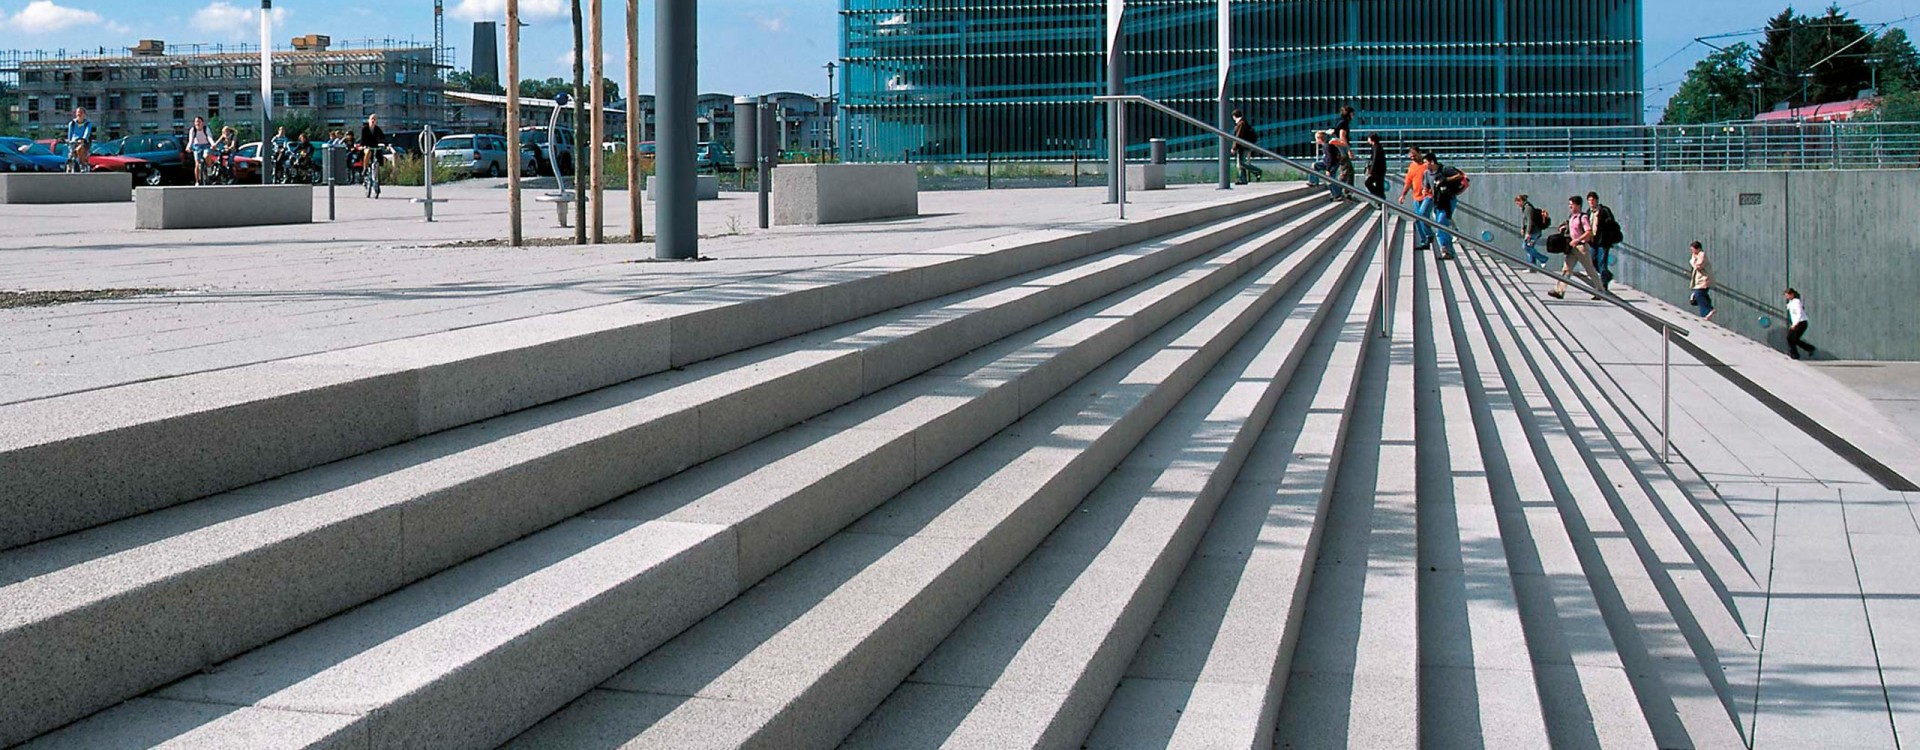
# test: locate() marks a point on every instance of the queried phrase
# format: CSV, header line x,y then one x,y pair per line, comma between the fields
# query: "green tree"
x,y
1715,90
464,80
1813,59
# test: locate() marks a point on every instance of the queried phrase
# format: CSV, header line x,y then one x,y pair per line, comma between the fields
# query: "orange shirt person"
x,y
1416,184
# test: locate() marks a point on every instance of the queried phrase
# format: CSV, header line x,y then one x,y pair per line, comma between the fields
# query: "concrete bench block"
x,y
807,194
1147,177
49,187
200,207
706,187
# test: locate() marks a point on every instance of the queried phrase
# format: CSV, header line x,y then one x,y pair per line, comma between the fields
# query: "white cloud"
x,y
45,16
774,24
496,10
226,19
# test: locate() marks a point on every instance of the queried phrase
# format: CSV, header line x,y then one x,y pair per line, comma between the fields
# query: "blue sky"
x,y
745,45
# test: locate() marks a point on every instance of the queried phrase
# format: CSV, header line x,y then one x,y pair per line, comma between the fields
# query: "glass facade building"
x,y
941,80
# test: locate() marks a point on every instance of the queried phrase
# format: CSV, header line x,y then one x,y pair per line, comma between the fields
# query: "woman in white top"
x,y
1796,324
1702,280
199,141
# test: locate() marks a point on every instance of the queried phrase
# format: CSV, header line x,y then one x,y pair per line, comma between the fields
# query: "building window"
x,y
370,69
32,76
62,103
366,96
279,99
89,102
300,99
214,71
93,74
245,71
336,97
177,73
336,69
243,100
113,74
149,74
213,100
114,101
149,102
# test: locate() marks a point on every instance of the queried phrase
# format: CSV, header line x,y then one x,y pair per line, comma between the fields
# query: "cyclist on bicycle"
x,y
371,141
80,140
223,150
199,141
279,150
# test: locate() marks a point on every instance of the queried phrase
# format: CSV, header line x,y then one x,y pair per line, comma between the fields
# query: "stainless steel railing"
x,y
1117,163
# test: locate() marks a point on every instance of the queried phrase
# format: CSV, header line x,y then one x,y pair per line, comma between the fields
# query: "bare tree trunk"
x,y
513,123
634,179
579,118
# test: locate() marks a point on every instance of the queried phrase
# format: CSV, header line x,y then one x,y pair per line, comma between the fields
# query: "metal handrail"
x,y
1666,329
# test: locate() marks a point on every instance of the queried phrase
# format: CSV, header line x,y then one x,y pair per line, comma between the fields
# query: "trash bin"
x,y
1157,150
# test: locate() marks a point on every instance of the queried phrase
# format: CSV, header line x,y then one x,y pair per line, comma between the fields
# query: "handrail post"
x,y
1386,276
1666,397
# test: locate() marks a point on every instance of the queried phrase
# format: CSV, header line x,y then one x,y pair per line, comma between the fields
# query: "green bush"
x,y
406,170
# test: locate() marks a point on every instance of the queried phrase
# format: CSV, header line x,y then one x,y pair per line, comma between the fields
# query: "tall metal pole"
x,y
599,121
1116,112
829,113
676,61
266,91
1666,399
580,159
513,123
635,198
1226,108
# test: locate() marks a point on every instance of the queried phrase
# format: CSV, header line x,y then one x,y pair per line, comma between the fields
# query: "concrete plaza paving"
x,y
1834,603
381,273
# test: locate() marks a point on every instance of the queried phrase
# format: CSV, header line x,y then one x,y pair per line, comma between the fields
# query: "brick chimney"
x,y
312,43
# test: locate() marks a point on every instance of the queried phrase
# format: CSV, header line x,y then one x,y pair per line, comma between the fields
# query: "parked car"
x,y
105,162
167,153
11,161
536,137
477,153
43,158
714,156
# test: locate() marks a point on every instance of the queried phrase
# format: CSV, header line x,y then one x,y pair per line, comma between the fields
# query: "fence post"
x,y
989,170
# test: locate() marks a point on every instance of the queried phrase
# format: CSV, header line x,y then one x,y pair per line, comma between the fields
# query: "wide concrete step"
x,y
1587,691
196,583
802,658
1038,658
423,666
76,461
1692,667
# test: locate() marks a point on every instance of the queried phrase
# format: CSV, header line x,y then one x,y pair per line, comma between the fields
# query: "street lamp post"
x,y
830,112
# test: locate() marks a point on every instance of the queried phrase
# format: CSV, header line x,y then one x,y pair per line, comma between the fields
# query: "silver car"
x,y
476,153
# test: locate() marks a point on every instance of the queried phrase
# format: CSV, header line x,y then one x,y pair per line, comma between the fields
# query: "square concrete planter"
x,y
52,187
805,194
1147,177
222,206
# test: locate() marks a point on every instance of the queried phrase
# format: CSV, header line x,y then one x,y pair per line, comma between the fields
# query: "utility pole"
x,y
830,110
599,122
579,115
266,91
634,179
513,123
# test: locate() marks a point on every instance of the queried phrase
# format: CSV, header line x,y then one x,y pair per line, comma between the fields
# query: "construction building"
x,y
154,89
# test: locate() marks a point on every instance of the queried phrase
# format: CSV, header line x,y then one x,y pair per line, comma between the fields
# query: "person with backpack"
x,y
1533,223
1606,236
1579,233
1702,280
1243,130
1445,184
1329,163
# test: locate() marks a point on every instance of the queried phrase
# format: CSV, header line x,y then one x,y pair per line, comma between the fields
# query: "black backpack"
x,y
1559,244
1609,229
1538,220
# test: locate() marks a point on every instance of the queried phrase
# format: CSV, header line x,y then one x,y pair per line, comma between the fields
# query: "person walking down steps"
x,y
1796,324
1702,280
1243,130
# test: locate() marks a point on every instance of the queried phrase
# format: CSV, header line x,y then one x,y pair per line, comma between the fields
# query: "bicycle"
x,y
75,163
370,172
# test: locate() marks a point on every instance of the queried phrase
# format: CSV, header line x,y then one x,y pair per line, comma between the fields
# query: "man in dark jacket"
x,y
1243,130
1376,167
1446,184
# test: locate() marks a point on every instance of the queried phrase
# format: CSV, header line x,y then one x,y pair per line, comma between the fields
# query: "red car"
x,y
105,162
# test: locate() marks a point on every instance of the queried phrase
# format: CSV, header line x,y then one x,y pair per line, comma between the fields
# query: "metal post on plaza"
x,y
1226,108
328,154
1116,111
635,180
266,91
676,60
598,123
1666,401
513,123
763,158
427,142
1386,274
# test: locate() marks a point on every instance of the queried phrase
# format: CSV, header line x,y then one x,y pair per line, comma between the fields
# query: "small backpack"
x,y
1539,221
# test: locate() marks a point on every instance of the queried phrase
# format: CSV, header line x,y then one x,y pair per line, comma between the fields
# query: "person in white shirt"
x,y
1796,324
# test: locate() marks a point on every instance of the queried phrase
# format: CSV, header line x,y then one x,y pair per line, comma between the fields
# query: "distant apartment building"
x,y
154,90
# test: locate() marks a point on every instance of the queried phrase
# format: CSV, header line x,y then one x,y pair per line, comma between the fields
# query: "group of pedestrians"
x,y
1435,189
1585,240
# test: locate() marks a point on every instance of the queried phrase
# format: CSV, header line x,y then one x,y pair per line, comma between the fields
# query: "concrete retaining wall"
x,y
706,187
51,187
222,206
1845,239
806,194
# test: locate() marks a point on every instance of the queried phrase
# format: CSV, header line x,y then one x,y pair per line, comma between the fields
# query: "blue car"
x,y
12,162
42,158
